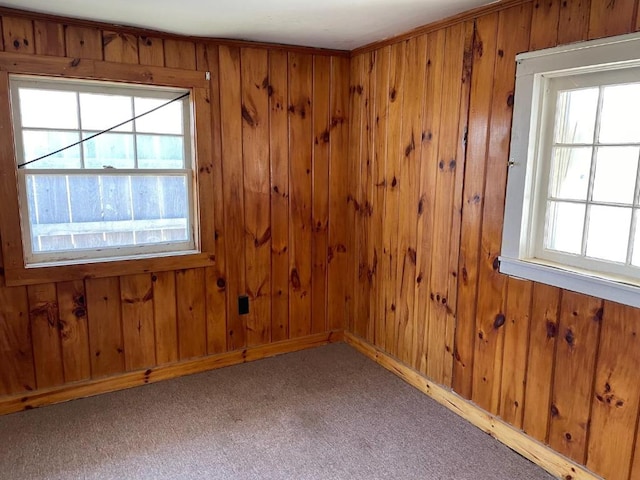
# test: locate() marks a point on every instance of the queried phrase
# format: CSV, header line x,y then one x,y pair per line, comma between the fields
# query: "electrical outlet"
x,y
243,304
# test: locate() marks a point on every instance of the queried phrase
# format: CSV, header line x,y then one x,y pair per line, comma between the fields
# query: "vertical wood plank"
x,y
392,198
138,330
255,153
208,61
18,35
45,335
279,162
300,201
165,317
49,38
544,24
573,24
120,47
192,326
105,326
635,467
380,122
231,134
513,37
542,345
179,54
83,42
436,43
579,331
338,293
16,354
609,18
151,51
74,331
514,365
617,392
484,55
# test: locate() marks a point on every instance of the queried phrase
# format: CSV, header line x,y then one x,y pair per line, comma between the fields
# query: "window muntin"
x,y
587,202
127,192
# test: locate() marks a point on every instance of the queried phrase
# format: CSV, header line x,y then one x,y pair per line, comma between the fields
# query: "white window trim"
x,y
105,254
532,67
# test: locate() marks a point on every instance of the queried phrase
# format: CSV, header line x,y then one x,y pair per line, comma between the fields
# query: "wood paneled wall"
x,y
277,155
429,148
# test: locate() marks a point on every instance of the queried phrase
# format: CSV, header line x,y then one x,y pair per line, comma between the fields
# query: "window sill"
x,y
80,271
610,288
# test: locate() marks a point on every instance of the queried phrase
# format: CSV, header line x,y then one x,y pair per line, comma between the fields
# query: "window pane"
x,y
100,112
564,226
109,150
116,197
39,143
569,175
146,198
160,151
48,108
167,119
608,233
84,198
576,116
50,198
616,170
616,124
635,258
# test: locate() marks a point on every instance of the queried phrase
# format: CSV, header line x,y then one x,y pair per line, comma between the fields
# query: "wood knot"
x,y
569,337
499,321
221,283
552,329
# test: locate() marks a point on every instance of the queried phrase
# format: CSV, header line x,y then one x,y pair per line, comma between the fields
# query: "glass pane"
x,y
563,231
616,125
608,233
146,198
569,175
576,116
48,108
109,150
616,170
635,258
167,119
49,196
84,198
174,196
52,243
116,198
100,112
160,151
39,143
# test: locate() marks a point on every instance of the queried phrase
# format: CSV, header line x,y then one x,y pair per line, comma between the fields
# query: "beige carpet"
x,y
326,413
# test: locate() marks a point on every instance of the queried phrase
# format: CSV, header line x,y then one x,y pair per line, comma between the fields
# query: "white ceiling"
x,y
338,24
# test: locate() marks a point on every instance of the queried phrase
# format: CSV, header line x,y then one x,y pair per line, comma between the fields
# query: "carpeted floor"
x,y
326,413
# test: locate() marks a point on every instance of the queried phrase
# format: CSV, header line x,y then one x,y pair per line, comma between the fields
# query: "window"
x,y
105,170
573,196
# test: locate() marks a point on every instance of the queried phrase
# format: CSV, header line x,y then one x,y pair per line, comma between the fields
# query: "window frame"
x,y
197,82
533,68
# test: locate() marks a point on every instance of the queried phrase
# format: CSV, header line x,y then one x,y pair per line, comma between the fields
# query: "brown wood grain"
x,y
138,329
279,187
150,51
165,317
575,362
74,332
338,289
45,334
231,134
83,42
573,24
540,364
544,24
300,187
105,326
120,47
257,221
484,55
18,35
16,352
49,38
180,54
609,18
191,315
320,191
614,411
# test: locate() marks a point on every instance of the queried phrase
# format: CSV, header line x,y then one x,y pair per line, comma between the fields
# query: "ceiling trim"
x,y
145,32
444,23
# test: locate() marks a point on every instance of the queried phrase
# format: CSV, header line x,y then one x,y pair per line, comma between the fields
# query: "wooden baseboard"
x,y
538,453
67,392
